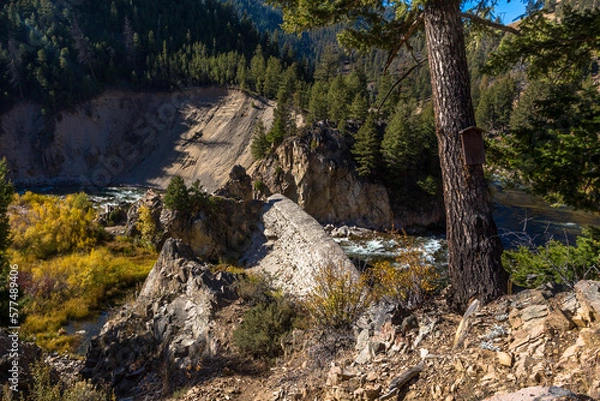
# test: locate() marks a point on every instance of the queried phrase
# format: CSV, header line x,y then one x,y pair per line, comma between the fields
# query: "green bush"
x,y
254,289
84,391
177,196
263,326
266,322
556,262
258,186
44,388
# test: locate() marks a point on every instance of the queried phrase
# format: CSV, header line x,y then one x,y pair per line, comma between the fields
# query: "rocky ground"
x,y
542,337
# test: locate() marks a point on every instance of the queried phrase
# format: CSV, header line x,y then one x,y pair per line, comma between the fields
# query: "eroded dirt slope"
x,y
134,138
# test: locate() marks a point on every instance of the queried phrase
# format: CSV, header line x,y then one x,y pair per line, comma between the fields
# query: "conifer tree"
x,y
317,104
177,196
257,70
495,104
272,77
241,75
85,55
359,108
260,145
366,148
398,147
129,42
337,97
283,126
15,62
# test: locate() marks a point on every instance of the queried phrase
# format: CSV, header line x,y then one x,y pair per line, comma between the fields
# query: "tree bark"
x,y
475,267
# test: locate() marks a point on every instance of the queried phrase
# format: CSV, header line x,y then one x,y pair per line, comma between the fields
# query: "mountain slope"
x,y
134,138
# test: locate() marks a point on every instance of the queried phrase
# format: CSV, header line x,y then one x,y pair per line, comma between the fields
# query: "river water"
x,y
522,219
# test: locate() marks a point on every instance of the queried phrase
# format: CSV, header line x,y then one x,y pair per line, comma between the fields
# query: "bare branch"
x,y
491,24
409,33
402,78
401,380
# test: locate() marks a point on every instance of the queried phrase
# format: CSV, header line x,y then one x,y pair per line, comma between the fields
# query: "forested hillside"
x,y
60,52
309,46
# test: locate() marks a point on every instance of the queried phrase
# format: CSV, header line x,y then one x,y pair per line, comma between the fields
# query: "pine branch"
x,y
491,24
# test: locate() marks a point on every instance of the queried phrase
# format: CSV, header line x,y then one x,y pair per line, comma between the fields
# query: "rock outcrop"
x,y
166,330
169,329
239,185
292,246
221,229
317,172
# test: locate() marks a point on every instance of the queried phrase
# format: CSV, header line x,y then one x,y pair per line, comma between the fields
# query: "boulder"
x,y
292,247
538,394
239,185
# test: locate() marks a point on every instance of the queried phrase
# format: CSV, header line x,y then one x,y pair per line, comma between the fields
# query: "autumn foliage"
x,y
44,225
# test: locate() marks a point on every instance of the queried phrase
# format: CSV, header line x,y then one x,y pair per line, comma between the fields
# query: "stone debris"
x,y
505,359
537,343
538,355
537,394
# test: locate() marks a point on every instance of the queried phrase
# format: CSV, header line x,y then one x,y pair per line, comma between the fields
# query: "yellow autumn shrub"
x,y
74,287
406,280
45,225
146,224
337,298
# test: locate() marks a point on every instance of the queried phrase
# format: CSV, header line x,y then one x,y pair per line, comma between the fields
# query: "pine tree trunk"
x,y
475,267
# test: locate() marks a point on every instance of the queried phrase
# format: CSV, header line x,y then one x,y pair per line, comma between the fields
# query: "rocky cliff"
x,y
134,138
317,171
